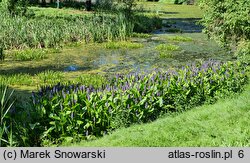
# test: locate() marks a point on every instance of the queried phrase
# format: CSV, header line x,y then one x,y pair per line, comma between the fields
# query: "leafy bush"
x,y
14,7
227,21
74,112
243,51
146,23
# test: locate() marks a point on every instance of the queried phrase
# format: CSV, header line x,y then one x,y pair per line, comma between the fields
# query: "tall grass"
x,y
21,32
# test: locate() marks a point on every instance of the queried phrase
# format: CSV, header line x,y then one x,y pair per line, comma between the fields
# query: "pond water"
x,y
148,58
95,58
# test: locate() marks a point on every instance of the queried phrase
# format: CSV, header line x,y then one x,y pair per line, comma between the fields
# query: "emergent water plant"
x,y
21,32
5,123
74,112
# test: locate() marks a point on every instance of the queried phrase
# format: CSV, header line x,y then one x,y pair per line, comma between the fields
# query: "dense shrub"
x,y
75,112
227,21
243,51
146,23
14,7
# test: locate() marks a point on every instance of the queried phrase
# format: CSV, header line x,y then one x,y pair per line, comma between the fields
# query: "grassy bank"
x,y
166,10
224,124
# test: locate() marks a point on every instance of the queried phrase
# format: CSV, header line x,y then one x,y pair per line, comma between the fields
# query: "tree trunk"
x,y
88,5
57,4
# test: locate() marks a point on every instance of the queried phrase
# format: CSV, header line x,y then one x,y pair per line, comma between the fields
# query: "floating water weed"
x,y
180,38
126,45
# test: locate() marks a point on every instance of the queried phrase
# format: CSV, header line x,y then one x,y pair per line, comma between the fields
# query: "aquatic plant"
x,y
29,54
21,32
123,44
79,111
180,38
6,103
167,47
50,77
16,79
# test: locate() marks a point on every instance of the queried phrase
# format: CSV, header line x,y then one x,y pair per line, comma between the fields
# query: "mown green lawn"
x,y
223,124
53,12
166,10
